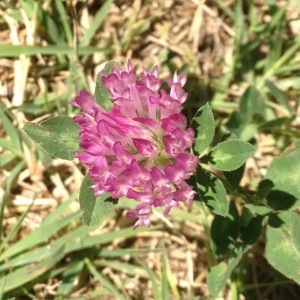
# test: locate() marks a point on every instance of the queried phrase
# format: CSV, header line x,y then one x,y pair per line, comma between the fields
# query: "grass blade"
x,y
104,281
129,269
28,273
278,95
39,236
64,20
97,22
13,174
17,50
13,231
33,256
105,238
60,210
165,293
71,275
10,129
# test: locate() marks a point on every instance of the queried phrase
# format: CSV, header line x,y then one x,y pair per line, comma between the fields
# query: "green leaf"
x,y
219,274
252,104
225,231
58,136
95,209
251,232
283,244
238,126
263,189
204,126
234,177
280,200
212,192
101,94
230,155
257,209
284,172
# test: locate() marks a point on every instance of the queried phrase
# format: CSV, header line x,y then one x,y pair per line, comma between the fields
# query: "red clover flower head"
x,y
139,148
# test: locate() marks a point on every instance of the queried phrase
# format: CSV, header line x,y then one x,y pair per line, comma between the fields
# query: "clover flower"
x,y
139,149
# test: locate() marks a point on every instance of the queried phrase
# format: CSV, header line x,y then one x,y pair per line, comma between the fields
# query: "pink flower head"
x,y
139,148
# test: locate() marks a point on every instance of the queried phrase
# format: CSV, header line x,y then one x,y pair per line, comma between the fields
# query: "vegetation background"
x,y
48,50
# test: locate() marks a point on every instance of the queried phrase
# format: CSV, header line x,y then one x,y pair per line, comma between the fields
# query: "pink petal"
x,y
144,147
